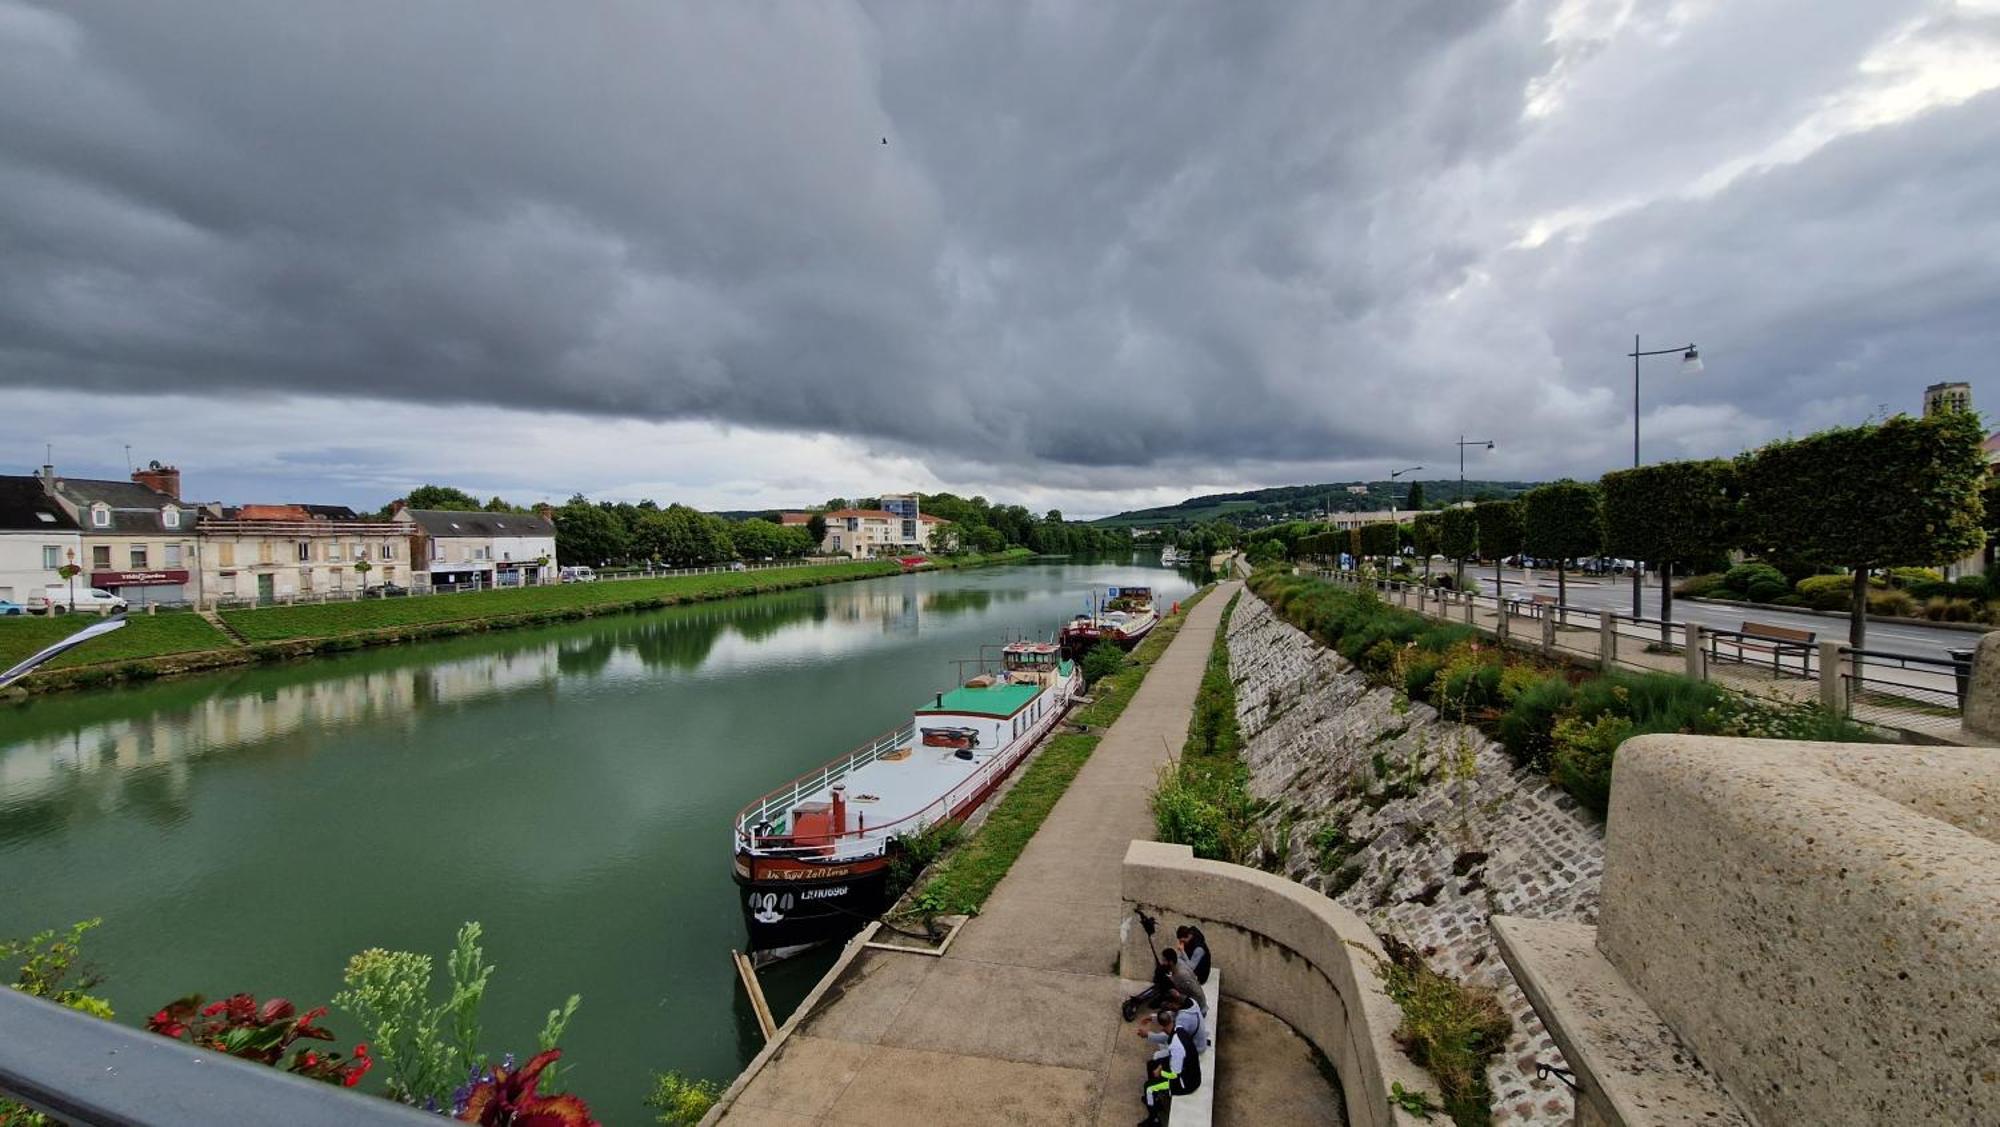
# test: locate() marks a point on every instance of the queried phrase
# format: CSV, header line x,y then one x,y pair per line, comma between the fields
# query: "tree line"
x,y
1905,492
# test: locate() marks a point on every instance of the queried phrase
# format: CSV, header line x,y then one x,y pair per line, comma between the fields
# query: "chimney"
x,y
164,479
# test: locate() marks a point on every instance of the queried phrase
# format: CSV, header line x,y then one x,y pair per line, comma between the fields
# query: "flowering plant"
x,y
237,1025
505,1096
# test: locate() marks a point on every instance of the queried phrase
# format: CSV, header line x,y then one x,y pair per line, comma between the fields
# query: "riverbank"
x,y
183,642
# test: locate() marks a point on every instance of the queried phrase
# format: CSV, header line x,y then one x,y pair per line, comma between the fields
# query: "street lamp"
x,y
1690,365
1393,475
1462,444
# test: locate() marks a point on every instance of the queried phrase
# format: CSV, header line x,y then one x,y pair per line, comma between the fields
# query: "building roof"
x,y
791,520
446,523
1004,699
880,514
134,507
26,507
268,512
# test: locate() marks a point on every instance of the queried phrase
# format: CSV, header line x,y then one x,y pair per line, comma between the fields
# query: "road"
x,y
1616,594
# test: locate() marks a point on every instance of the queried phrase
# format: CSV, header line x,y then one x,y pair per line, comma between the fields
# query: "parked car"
x,y
578,575
385,591
9,606
55,599
738,566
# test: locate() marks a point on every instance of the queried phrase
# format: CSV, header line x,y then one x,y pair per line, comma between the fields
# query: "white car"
x,y
55,599
578,575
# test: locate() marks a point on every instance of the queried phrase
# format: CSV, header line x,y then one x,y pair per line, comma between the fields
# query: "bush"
x,y
1765,590
1527,727
1102,660
1892,602
1971,587
1451,1029
1826,592
1906,577
1701,587
1581,762
681,1100
1746,575
1941,609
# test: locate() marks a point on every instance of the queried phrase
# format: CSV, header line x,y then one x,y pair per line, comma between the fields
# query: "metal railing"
x,y
84,1070
1876,676
779,803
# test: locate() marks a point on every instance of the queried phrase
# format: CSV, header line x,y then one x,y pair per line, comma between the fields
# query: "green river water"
x,y
570,787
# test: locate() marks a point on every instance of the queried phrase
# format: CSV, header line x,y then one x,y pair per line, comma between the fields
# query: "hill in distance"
x,y
1297,502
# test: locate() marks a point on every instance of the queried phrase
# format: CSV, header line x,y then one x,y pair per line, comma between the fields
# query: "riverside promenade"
x,y
1018,1022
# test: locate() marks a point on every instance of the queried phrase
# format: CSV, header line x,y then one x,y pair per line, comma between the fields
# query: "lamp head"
x,y
1489,445
1691,361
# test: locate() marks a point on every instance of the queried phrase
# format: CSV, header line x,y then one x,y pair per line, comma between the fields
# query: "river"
x,y
569,787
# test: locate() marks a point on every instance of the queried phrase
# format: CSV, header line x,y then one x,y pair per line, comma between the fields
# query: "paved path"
x,y
1019,1022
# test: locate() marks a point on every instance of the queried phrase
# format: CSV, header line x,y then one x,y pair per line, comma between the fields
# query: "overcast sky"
x,y
1110,254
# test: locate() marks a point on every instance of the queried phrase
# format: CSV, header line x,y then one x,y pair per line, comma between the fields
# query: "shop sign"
x,y
137,578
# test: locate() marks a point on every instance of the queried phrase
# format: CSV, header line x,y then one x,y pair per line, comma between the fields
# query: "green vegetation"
x,y
1499,532
1671,514
1551,718
531,604
1261,507
1562,521
1203,800
1451,1029
1902,493
967,876
50,965
681,1100
143,636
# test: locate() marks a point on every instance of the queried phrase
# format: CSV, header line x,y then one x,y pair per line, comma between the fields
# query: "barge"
x,y
812,858
1124,618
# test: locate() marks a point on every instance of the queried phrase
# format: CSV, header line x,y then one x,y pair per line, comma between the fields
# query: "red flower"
x,y
160,1018
213,1008
312,1059
361,1050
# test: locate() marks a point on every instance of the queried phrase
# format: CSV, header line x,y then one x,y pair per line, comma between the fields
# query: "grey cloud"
x,y
1106,243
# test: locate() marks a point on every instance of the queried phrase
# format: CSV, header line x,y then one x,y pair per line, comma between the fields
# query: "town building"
x,y
464,549
138,535
869,533
279,553
1941,397
37,538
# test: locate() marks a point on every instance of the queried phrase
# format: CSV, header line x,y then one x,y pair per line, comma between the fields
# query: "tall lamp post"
x,y
1463,442
1690,365
1393,475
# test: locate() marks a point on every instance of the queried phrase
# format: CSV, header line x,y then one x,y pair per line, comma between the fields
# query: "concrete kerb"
x,y
804,1010
1289,951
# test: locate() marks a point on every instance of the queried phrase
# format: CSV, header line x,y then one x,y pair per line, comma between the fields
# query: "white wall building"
x,y
36,538
460,549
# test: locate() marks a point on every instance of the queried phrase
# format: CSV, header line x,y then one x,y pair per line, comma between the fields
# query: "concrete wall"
x,y
1820,922
1288,950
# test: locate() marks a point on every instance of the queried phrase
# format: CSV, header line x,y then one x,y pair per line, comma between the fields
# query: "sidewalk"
x,y
1019,1022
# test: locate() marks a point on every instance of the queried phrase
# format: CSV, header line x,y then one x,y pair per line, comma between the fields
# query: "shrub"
x,y
1764,590
1701,586
1581,762
1906,577
1527,727
1971,587
1450,1028
1826,592
681,1100
1939,608
1744,575
1102,660
1183,816
1891,602
1420,669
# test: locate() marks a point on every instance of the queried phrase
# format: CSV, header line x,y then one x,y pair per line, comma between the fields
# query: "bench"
x,y
1198,1107
1776,641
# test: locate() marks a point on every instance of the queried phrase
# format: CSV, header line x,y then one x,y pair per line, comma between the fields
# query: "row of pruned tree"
x,y
1907,492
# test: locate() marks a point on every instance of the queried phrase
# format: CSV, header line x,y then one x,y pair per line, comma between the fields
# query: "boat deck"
x,y
887,790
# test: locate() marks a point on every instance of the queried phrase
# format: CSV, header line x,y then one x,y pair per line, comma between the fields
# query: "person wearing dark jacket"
x,y
1194,950
1172,972
1158,1095
1182,1053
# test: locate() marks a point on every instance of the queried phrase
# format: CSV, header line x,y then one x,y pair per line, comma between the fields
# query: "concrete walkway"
x,y
1019,1022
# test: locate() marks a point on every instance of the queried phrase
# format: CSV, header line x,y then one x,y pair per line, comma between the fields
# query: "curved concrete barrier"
x,y
1287,950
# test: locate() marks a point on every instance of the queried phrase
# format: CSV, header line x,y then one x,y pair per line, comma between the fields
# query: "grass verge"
x,y
962,881
143,636
1203,800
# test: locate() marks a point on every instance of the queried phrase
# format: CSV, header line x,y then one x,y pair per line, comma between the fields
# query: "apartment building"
x,y
37,538
896,529
461,549
273,553
138,536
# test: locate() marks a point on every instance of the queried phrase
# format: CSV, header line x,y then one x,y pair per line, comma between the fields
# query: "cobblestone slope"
x,y
1423,826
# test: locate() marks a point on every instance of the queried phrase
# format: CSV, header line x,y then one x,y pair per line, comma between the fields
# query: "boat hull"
x,y
1078,640
799,903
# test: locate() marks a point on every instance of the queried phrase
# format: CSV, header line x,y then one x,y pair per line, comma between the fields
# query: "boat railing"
x,y
779,803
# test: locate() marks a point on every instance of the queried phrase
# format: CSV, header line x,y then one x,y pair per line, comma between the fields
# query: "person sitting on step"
x,y
1182,1043
1158,1095
1194,950
1171,972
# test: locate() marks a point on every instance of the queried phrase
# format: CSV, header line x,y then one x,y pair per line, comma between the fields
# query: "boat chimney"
x,y
839,809
940,701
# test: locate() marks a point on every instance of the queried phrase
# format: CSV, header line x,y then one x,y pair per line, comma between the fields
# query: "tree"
x,y
1563,520
362,568
587,533
1902,493
1668,513
442,497
1458,538
1424,537
757,539
1379,539
1499,533
816,529
1415,503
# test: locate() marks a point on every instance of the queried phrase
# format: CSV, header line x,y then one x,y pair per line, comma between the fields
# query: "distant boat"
x,y
813,856
1172,556
1124,618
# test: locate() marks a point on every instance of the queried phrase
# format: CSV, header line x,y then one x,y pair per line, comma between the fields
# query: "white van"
x,y
55,599
578,575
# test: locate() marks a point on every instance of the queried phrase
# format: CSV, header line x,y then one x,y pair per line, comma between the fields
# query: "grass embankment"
x,y
1203,800
962,881
143,636
527,605
1552,718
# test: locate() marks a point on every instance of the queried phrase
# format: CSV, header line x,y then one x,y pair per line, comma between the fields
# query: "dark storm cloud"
x,y
1104,240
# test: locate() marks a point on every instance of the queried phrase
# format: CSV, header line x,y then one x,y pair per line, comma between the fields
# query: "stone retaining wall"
x,y
1422,827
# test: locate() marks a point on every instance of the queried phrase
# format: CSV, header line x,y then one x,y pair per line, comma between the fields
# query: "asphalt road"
x,y
1616,594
